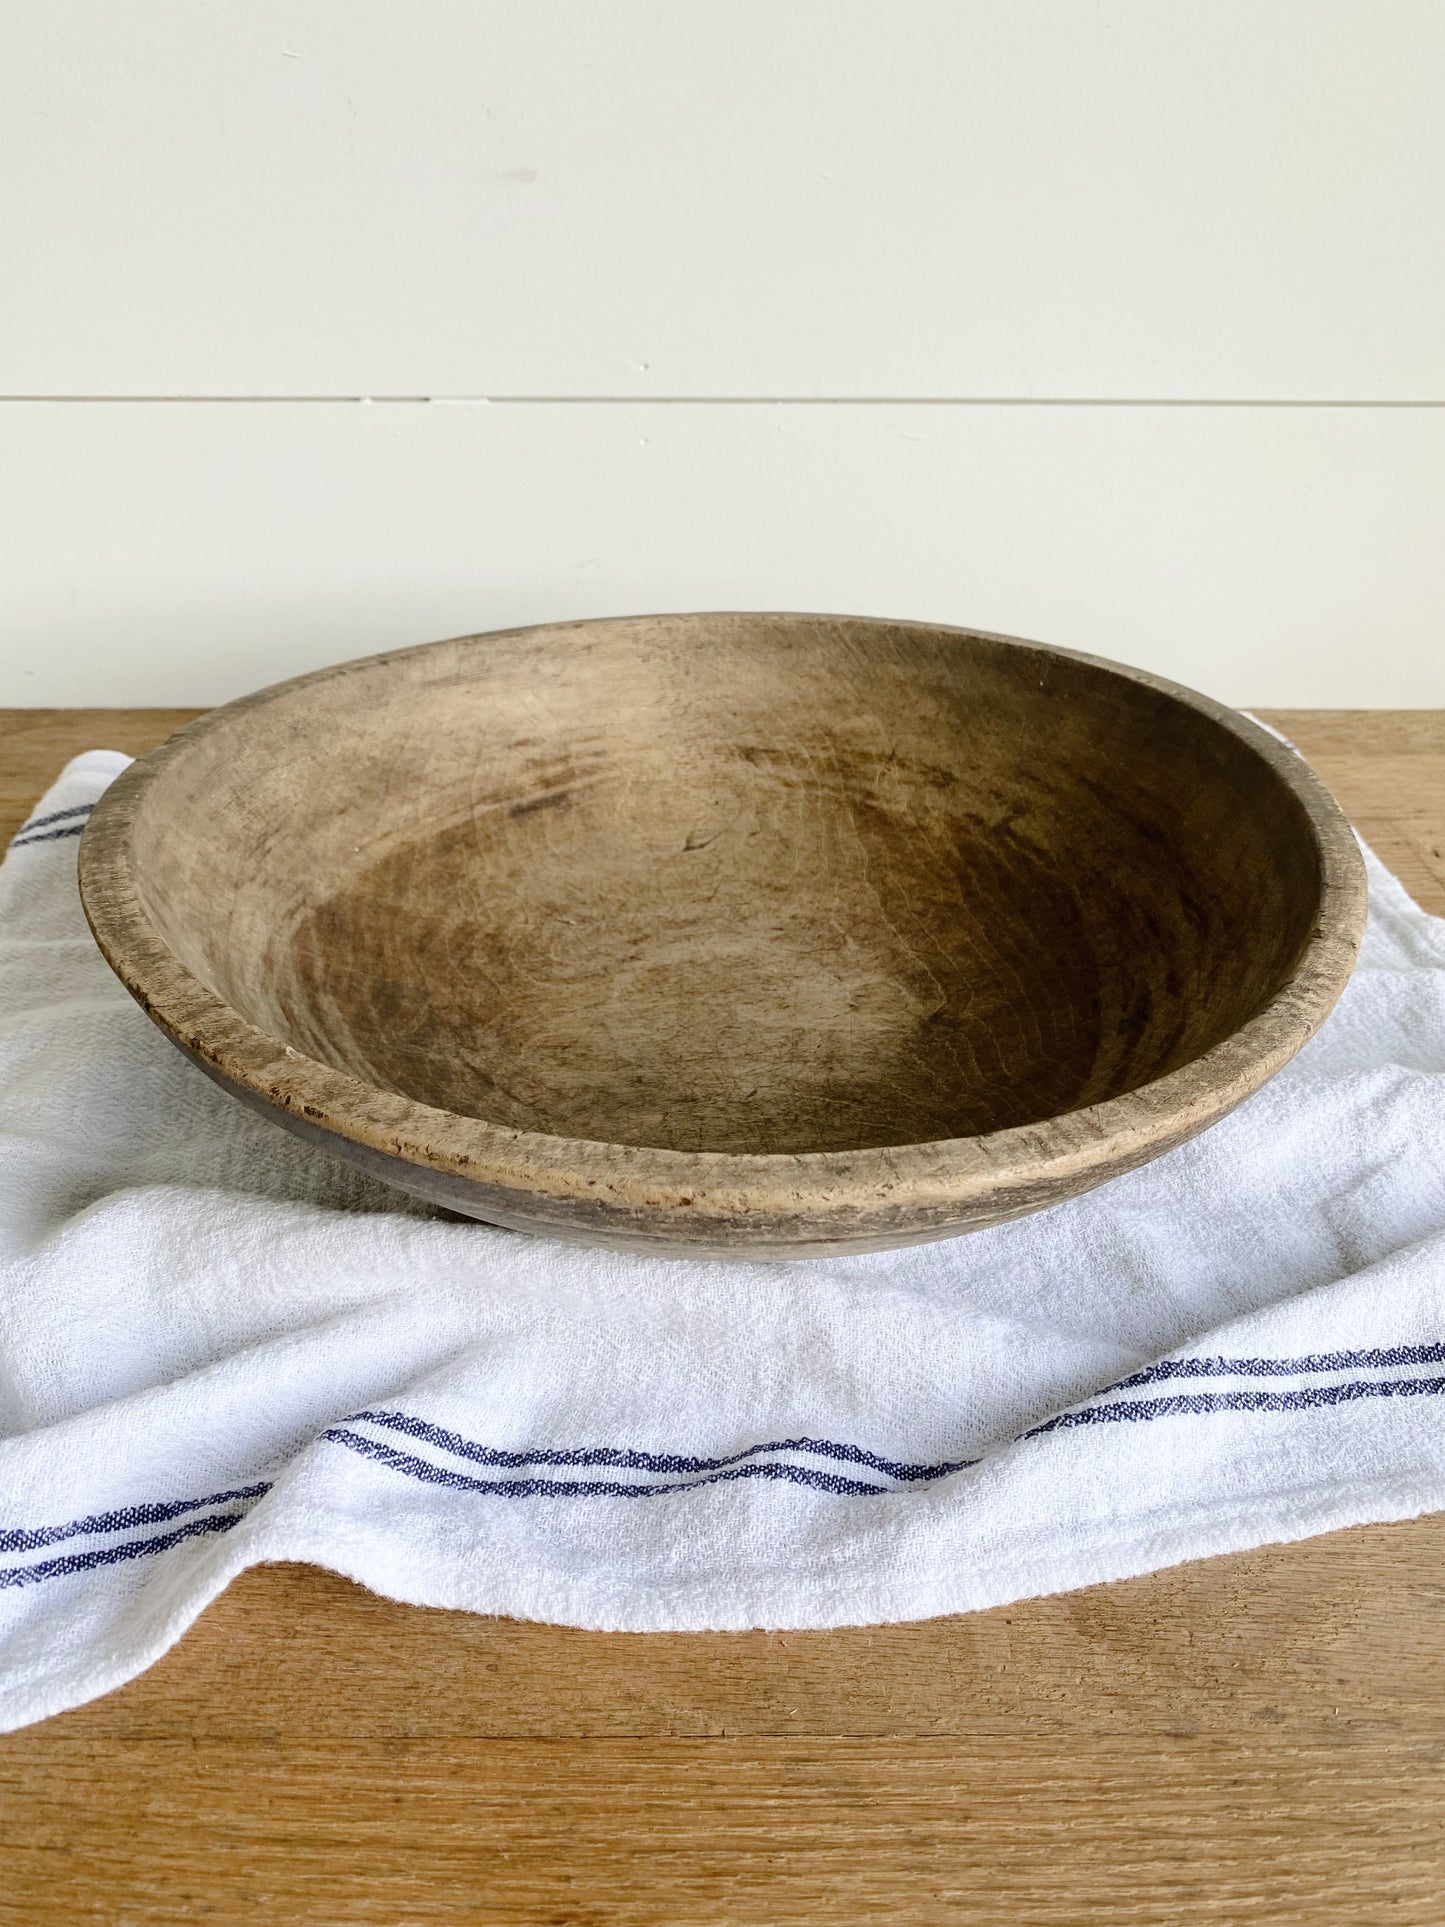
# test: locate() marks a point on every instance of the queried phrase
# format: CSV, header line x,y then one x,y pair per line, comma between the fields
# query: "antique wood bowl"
x,y
743,934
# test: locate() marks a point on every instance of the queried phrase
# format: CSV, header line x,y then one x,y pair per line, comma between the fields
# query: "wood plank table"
x,y
1259,1738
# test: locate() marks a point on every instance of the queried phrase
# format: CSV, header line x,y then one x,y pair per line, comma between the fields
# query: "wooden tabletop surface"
x,y
1258,1738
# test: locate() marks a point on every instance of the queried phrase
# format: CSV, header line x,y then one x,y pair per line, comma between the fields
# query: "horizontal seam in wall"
x,y
718,401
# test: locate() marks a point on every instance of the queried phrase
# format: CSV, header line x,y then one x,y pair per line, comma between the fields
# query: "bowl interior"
x,y
749,884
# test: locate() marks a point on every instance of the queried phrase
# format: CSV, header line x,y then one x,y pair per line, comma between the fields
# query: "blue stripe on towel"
x,y
55,816
1307,1365
47,836
429,1474
749,1464
1132,1411
26,833
32,1538
113,1555
686,1472
625,1459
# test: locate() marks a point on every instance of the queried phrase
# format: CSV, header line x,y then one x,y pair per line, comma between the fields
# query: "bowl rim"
x,y
948,1174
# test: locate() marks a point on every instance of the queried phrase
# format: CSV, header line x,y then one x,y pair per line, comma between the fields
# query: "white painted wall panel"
x,y
734,197
185,553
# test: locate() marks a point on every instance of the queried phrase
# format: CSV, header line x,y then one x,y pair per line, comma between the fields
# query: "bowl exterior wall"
x,y
818,1228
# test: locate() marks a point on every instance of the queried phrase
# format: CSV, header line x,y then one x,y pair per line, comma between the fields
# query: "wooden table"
x,y
1259,1738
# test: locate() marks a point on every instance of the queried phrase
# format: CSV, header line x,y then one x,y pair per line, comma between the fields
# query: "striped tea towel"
x,y
221,1347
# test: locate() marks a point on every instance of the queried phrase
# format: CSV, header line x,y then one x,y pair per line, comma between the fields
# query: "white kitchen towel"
x,y
219,1347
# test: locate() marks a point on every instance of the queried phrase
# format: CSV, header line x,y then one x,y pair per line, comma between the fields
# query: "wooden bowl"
x,y
741,934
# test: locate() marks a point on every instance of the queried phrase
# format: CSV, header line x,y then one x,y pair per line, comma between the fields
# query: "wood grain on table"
x,y
1259,1738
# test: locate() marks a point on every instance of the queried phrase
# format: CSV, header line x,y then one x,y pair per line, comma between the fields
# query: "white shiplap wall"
x,y
1117,323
